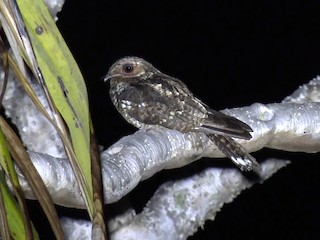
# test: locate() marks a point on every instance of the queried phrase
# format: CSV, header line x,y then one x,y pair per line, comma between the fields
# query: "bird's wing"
x,y
219,123
213,122
167,101
159,102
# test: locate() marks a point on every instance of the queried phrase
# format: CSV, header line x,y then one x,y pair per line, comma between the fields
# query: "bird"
x,y
146,98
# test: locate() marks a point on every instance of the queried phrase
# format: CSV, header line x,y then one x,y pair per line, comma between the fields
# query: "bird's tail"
x,y
235,152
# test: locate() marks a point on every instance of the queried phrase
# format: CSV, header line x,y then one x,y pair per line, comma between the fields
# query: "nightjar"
x,y
146,97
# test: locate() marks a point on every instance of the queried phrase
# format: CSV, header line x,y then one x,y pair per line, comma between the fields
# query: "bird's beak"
x,y
109,76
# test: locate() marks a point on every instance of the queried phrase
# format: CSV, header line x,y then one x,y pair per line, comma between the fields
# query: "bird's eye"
x,y
128,68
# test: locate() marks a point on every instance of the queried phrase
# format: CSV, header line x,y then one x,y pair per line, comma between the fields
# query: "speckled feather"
x,y
146,97
157,103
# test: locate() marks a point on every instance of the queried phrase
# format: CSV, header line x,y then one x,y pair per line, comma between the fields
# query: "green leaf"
x,y
32,176
64,82
15,215
50,60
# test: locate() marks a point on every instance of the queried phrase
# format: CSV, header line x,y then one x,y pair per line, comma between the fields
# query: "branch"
x,y
178,208
284,126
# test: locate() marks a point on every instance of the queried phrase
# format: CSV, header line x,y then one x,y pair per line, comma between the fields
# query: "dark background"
x,y
229,53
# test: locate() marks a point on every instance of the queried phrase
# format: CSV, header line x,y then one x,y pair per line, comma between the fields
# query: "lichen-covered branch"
x,y
179,208
285,126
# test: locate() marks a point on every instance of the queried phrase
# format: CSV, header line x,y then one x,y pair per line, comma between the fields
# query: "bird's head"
x,y
130,67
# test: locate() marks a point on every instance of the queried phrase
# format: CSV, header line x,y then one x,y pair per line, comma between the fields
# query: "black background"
x,y
230,53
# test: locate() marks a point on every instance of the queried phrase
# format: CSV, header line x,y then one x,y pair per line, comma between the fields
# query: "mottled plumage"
x,y
145,97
